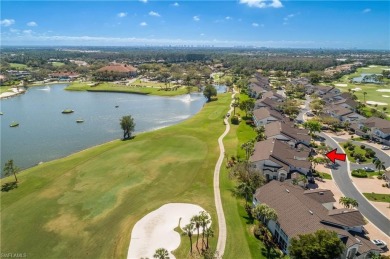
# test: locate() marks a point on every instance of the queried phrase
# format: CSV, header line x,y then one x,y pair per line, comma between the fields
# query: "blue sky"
x,y
269,23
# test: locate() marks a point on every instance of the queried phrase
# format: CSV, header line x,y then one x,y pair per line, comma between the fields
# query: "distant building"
x,y
115,72
64,76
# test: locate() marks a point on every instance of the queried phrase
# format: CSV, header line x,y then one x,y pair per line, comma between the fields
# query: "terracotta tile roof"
x,y
118,68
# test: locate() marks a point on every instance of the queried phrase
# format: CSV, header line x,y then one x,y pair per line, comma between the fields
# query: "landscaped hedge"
x,y
360,173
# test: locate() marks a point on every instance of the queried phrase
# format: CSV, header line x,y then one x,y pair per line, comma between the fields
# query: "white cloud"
x,y
176,4
202,34
121,15
152,13
196,18
27,31
262,3
255,24
7,22
143,1
143,24
228,18
367,10
13,30
32,24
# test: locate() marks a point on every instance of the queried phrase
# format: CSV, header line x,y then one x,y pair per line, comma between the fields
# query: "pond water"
x,y
44,133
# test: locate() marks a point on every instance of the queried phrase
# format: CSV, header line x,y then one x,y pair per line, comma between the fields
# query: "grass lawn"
x,y
110,87
370,89
18,66
4,89
57,64
377,197
85,205
326,176
356,150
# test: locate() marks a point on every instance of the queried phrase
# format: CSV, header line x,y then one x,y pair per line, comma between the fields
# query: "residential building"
x,y
277,159
264,116
379,129
304,212
286,131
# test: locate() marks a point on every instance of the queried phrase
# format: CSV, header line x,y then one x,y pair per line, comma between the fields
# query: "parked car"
x,y
309,114
299,121
385,148
228,115
379,243
368,169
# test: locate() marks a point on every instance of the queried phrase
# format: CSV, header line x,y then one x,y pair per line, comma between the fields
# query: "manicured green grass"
x,y
18,66
370,89
85,205
377,197
326,176
356,150
4,89
110,87
57,64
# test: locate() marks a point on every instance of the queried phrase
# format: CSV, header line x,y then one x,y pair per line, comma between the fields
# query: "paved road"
x,y
344,182
217,193
304,110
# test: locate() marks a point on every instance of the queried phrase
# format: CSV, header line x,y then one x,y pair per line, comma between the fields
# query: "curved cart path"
x,y
217,194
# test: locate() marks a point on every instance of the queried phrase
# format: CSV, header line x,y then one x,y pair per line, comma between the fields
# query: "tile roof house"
x,y
264,116
277,159
379,129
342,113
116,71
64,75
303,212
285,130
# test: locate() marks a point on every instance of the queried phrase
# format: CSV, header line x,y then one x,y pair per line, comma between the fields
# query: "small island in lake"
x,y
67,111
14,124
79,121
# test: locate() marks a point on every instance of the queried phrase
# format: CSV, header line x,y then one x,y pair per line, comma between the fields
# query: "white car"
x,y
379,243
385,148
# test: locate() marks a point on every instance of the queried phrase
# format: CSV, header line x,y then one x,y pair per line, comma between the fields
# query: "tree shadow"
x,y
9,186
273,254
125,139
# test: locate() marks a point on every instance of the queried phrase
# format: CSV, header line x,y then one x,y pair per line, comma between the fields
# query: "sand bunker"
x,y
372,102
341,85
356,89
383,90
156,229
386,96
372,66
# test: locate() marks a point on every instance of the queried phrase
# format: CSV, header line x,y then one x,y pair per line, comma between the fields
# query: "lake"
x,y
45,133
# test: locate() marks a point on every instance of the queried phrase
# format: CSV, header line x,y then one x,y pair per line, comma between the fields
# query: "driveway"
x,y
341,177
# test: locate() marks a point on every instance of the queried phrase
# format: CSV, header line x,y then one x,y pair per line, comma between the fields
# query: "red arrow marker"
x,y
333,156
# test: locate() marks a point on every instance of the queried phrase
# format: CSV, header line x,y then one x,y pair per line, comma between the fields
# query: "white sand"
x,y
7,94
356,89
341,85
383,90
386,96
156,229
372,66
379,103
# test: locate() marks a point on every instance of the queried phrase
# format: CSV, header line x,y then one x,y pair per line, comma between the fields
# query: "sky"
x,y
259,23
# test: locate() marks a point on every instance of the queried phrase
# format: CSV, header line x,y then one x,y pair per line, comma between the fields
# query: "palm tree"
x,y
264,212
344,201
348,202
188,232
161,253
346,125
364,96
248,147
205,220
127,124
260,133
196,221
235,105
379,165
244,189
208,233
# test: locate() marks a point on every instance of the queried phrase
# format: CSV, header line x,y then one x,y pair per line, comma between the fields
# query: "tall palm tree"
x,y
188,232
248,147
205,220
344,201
260,131
196,221
244,190
208,233
161,253
364,96
348,202
379,165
